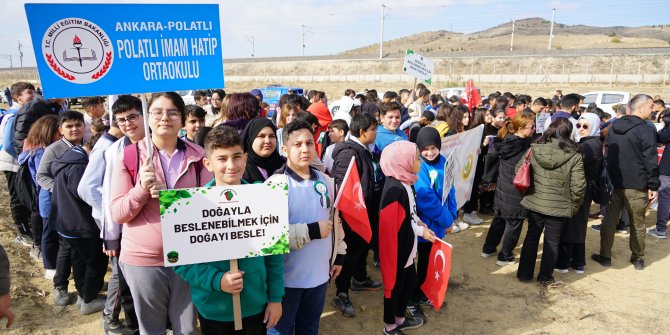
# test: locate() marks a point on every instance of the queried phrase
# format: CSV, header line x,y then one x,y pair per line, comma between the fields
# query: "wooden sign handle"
x,y
237,307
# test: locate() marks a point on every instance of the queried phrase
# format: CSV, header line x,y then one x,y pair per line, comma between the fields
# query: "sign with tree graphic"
x,y
208,224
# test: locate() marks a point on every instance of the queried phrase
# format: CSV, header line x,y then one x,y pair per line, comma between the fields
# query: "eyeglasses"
x,y
129,118
531,127
172,115
580,125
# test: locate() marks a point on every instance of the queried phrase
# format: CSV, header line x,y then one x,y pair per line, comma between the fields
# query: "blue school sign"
x,y
101,49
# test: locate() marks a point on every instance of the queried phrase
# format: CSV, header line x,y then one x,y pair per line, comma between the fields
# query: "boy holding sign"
x,y
212,284
316,256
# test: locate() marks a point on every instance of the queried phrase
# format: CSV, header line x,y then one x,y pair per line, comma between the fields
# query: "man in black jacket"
x,y
632,163
363,133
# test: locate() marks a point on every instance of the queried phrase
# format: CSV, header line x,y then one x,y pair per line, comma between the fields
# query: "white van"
x,y
447,93
606,99
188,97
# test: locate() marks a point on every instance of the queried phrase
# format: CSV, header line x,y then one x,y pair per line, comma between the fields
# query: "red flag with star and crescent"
x,y
474,98
437,275
351,204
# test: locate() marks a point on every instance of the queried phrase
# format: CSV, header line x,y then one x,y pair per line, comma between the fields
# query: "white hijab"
x,y
594,123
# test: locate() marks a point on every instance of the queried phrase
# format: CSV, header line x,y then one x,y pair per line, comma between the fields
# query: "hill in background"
x,y
529,34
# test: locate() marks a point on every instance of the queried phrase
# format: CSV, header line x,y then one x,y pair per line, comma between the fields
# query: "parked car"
x,y
449,92
187,96
272,93
606,99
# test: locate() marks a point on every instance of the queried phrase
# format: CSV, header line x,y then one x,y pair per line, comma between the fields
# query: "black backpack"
x,y
24,187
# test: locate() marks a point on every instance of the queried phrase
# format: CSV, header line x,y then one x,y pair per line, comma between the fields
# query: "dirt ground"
x,y
482,297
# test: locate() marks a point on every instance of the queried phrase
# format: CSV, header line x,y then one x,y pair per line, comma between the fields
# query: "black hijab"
x,y
254,161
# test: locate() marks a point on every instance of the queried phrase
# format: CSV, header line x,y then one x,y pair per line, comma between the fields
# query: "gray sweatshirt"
x,y
44,177
4,272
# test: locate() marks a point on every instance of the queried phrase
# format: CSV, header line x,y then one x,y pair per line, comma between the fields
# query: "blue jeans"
x,y
663,211
301,311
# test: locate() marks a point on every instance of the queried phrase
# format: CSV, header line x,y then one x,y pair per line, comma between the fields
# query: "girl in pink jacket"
x,y
159,293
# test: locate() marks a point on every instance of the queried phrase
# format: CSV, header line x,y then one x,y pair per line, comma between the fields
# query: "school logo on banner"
x,y
77,50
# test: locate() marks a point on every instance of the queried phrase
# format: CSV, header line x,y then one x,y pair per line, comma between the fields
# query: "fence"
x,y
613,70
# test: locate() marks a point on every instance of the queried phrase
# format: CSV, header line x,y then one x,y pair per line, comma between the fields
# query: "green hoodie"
x,y
557,183
263,283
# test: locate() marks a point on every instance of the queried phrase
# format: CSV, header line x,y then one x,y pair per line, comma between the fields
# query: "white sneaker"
x,y
485,255
458,226
474,214
49,274
472,218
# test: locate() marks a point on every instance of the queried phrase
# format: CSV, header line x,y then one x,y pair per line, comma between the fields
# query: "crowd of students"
x,y
84,186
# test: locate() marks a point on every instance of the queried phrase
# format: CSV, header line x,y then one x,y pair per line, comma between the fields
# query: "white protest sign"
x,y
449,170
418,66
540,120
464,147
208,224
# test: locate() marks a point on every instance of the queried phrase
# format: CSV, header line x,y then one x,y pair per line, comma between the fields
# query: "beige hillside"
x,y
530,34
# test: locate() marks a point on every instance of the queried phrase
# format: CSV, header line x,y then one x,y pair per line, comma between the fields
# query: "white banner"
x,y
418,66
465,148
208,224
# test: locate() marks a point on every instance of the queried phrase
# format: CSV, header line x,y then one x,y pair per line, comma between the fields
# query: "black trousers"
x,y
355,262
552,226
472,204
423,252
251,325
20,213
36,226
89,265
63,264
571,255
507,230
396,305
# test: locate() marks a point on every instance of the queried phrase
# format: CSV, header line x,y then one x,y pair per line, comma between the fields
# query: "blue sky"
x,y
333,26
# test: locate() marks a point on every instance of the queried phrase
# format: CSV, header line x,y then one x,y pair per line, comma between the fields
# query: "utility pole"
x,y
511,43
381,37
251,40
11,65
20,53
303,39
551,30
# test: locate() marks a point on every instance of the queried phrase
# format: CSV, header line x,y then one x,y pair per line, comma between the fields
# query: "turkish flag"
x,y
474,98
437,275
351,204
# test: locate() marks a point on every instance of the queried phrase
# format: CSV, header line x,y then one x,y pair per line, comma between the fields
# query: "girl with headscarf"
x,y
259,140
399,227
571,250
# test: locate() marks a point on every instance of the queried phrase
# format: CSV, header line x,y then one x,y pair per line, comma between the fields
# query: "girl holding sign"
x,y
159,293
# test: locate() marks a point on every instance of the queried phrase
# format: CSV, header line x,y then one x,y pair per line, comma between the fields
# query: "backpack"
x,y
131,160
24,187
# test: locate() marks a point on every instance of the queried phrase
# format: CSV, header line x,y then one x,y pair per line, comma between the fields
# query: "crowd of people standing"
x,y
83,189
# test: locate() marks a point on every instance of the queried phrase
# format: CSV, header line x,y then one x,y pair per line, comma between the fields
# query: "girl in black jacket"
x,y
572,252
509,215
